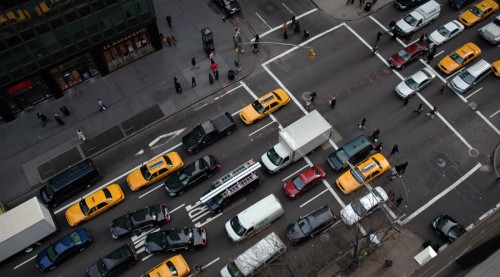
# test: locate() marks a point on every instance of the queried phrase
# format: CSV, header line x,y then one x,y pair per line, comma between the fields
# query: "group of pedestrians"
x,y
295,26
64,110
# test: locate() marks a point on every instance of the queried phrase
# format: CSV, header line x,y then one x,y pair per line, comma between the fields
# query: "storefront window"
x,y
74,71
127,51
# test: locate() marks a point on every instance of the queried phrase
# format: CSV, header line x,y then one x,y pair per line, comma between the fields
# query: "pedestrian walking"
x,y
306,34
430,56
419,109
213,65
394,33
392,25
177,85
169,41
423,38
313,96
402,168
375,134
173,40
333,102
387,263
59,120
168,18
296,29
432,112
193,82
443,87
193,63
405,102
216,74
374,49
81,135
64,110
378,148
101,105
362,123
285,35
212,55
395,149
399,200
210,78
308,105
379,36
285,27
43,118
292,25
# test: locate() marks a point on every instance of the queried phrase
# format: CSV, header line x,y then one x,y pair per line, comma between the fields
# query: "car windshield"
x,y
455,232
84,207
358,207
101,266
218,199
467,77
233,270
305,226
356,173
145,172
75,238
443,31
198,133
298,183
404,55
477,12
51,253
456,57
257,106
277,96
168,160
411,83
172,268
410,20
274,157
237,227
49,190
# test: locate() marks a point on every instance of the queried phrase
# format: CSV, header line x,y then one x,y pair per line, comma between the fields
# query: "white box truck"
x,y
418,18
296,141
23,226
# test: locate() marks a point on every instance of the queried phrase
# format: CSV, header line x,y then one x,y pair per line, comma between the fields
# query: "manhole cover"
x,y
473,152
306,95
325,237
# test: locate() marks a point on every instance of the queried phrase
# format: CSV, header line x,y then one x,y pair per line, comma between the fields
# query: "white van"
x,y
469,77
255,218
255,258
418,18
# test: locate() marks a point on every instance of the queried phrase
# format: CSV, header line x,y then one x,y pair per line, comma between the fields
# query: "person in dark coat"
x,y
64,110
58,119
43,118
296,29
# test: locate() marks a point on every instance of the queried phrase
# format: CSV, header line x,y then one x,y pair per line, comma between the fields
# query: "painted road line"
x,y
312,199
21,264
479,89
287,8
147,257
440,195
288,22
442,51
177,208
386,30
261,128
294,173
495,113
367,44
227,92
488,122
263,21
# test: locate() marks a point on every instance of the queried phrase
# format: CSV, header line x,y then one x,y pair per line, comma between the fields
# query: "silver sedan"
x,y
446,32
419,80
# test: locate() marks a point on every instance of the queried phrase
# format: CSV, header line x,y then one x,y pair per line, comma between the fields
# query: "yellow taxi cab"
x,y
49,6
478,12
14,17
496,68
175,266
94,204
264,106
154,170
366,171
460,57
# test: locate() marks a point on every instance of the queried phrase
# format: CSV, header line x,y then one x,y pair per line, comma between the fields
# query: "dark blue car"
x,y
63,249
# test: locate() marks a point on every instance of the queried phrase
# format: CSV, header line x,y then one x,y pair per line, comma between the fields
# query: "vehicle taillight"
x,y
204,243
217,165
163,205
167,217
202,229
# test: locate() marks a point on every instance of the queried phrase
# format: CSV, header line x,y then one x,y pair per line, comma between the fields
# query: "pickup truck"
x,y
208,132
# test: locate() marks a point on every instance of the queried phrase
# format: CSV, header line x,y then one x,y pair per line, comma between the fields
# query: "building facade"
x,y
49,46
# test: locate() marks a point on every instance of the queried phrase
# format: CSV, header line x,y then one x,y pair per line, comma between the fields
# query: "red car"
x,y
412,52
304,181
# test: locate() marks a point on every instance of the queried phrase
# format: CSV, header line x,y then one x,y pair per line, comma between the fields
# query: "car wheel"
x,y
228,133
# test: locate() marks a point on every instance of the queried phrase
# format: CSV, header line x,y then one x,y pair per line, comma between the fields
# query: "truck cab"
x,y
276,158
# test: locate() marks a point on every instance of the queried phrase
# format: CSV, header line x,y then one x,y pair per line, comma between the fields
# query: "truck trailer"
x,y
296,141
23,226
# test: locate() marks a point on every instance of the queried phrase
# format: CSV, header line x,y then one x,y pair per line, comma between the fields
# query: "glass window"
x,y
8,61
63,35
18,73
50,42
42,28
84,11
96,38
90,23
83,44
58,55
142,6
104,20
22,54
77,30
28,34
32,67
56,22
70,50
97,5
117,14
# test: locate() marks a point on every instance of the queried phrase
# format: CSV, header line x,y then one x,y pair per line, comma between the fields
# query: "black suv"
x,y
229,7
114,263
189,238
459,4
181,180
310,224
448,228
138,221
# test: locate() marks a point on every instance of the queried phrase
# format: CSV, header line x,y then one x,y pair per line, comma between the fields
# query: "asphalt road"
x,y
449,156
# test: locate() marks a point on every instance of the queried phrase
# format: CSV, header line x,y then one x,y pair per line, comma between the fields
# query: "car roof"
x,y
467,49
422,75
414,47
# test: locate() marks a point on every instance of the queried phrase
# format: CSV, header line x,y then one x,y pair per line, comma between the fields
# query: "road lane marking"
x,y
293,174
442,51
177,208
258,130
386,30
440,195
310,200
488,122
479,89
287,8
263,21
495,113
21,264
227,92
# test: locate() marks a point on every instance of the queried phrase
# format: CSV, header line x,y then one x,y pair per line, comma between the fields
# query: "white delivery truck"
x,y
418,18
255,258
254,218
297,140
23,226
